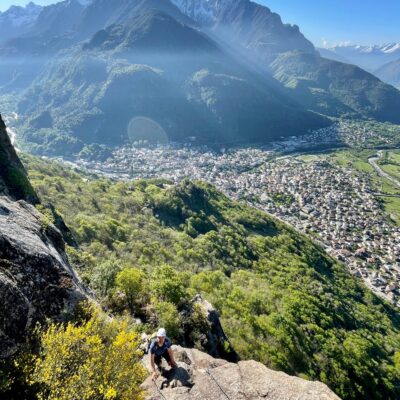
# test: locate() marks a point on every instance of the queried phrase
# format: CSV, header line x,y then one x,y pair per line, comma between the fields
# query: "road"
x,y
377,168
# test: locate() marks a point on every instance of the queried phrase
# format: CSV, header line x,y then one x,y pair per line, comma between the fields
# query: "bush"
x,y
167,285
104,277
132,282
168,317
98,360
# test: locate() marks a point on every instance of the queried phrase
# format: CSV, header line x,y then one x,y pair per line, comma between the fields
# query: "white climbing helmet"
x,y
161,333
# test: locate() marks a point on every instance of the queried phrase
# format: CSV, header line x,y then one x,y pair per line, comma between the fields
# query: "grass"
x,y
392,170
392,207
394,156
390,163
309,157
359,160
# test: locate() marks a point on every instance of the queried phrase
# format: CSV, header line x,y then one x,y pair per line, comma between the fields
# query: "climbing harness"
x,y
220,388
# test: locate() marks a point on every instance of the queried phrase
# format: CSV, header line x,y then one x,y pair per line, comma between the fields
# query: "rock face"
x,y
18,20
36,281
255,27
13,178
217,341
202,377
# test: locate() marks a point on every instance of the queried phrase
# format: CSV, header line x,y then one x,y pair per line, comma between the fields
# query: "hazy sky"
x,y
334,21
4,4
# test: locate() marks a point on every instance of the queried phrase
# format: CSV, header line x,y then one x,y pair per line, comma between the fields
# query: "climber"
x,y
160,348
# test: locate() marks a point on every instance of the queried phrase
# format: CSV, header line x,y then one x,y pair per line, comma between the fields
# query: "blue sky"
x,y
357,21
336,21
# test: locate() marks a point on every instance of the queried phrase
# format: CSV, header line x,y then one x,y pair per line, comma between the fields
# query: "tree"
x,y
168,317
99,360
197,326
132,282
167,285
104,277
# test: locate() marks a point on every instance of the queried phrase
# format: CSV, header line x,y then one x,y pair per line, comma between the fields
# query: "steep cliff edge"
x,y
202,377
13,178
36,280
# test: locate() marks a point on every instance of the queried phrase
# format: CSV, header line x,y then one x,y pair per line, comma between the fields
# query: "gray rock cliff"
x,y
216,342
13,178
36,280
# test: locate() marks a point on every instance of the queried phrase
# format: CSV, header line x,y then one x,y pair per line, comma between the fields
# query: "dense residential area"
x,y
199,199
335,204
339,208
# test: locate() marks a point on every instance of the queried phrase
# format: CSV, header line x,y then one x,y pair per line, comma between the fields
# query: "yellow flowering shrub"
x,y
95,361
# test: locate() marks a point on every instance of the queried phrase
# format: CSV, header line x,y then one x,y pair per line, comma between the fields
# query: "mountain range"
x,y
390,73
382,60
18,20
369,58
211,71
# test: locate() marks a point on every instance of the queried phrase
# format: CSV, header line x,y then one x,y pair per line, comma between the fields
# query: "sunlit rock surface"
x,y
202,377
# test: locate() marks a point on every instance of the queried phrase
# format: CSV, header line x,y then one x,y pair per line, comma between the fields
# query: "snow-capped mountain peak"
x,y
203,11
17,16
391,48
370,58
386,48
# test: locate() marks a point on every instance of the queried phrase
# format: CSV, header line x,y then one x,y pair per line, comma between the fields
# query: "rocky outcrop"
x,y
253,26
36,280
202,377
216,343
13,177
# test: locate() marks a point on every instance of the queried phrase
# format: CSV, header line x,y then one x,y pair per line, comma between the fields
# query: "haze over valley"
x,y
201,166
82,73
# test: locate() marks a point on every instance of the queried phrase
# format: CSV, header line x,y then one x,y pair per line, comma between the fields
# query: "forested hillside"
x,y
282,300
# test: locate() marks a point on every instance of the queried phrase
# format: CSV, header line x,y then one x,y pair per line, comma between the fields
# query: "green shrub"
x,y
103,278
167,285
99,360
132,282
168,317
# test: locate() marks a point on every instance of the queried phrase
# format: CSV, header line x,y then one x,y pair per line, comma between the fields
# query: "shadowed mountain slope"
x,y
157,67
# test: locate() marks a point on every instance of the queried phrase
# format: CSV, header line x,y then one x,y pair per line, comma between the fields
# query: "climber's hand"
x,y
155,375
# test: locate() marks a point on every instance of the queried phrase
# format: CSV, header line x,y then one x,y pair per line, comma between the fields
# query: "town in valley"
x,y
340,206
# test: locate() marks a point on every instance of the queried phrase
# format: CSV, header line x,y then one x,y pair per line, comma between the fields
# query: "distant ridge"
x,y
217,71
370,58
390,73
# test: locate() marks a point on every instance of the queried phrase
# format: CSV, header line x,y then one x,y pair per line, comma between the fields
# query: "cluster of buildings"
x,y
352,133
333,204
366,133
338,208
175,162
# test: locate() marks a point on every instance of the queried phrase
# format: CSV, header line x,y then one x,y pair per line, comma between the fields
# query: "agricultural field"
x,y
390,163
